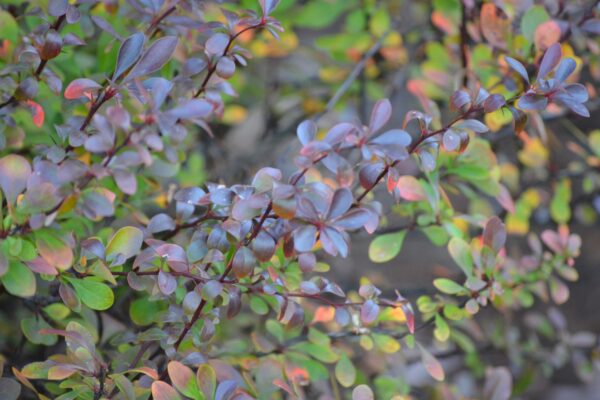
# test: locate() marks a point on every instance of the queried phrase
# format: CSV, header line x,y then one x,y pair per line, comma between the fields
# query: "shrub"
x,y
129,282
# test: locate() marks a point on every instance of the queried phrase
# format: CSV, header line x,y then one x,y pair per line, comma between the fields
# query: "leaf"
x,y
461,254
19,280
532,18
306,131
10,389
560,209
494,233
362,392
37,113
56,8
54,249
206,378
591,26
410,188
498,383
225,68
183,379
385,247
517,67
164,391
432,365
550,60
386,343
243,262
125,386
216,44
448,286
81,87
126,242
345,371
382,111
95,295
129,53
154,57
369,312
14,172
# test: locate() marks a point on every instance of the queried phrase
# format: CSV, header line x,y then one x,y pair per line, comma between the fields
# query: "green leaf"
x,y
560,210
533,18
447,286
126,241
19,280
206,378
124,385
31,329
95,295
386,247
144,311
442,330
594,141
258,305
345,371
184,379
461,254
386,343
322,353
436,234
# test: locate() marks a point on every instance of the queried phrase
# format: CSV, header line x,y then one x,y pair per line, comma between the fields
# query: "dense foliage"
x,y
125,276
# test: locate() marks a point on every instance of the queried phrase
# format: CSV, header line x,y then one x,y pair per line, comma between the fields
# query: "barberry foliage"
x,y
125,276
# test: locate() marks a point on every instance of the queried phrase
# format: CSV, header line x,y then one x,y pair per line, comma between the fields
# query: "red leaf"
x,y
37,112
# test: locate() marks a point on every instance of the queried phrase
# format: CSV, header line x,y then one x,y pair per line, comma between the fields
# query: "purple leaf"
x,y
154,57
174,256
493,102
550,60
166,282
382,111
494,233
565,68
338,132
129,53
333,242
532,101
268,6
263,246
105,26
14,172
591,26
225,67
305,238
57,8
498,383
578,92
73,14
306,131
451,140
460,99
243,262
369,312
517,67
395,137
340,203
216,44
126,180
352,220
190,109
